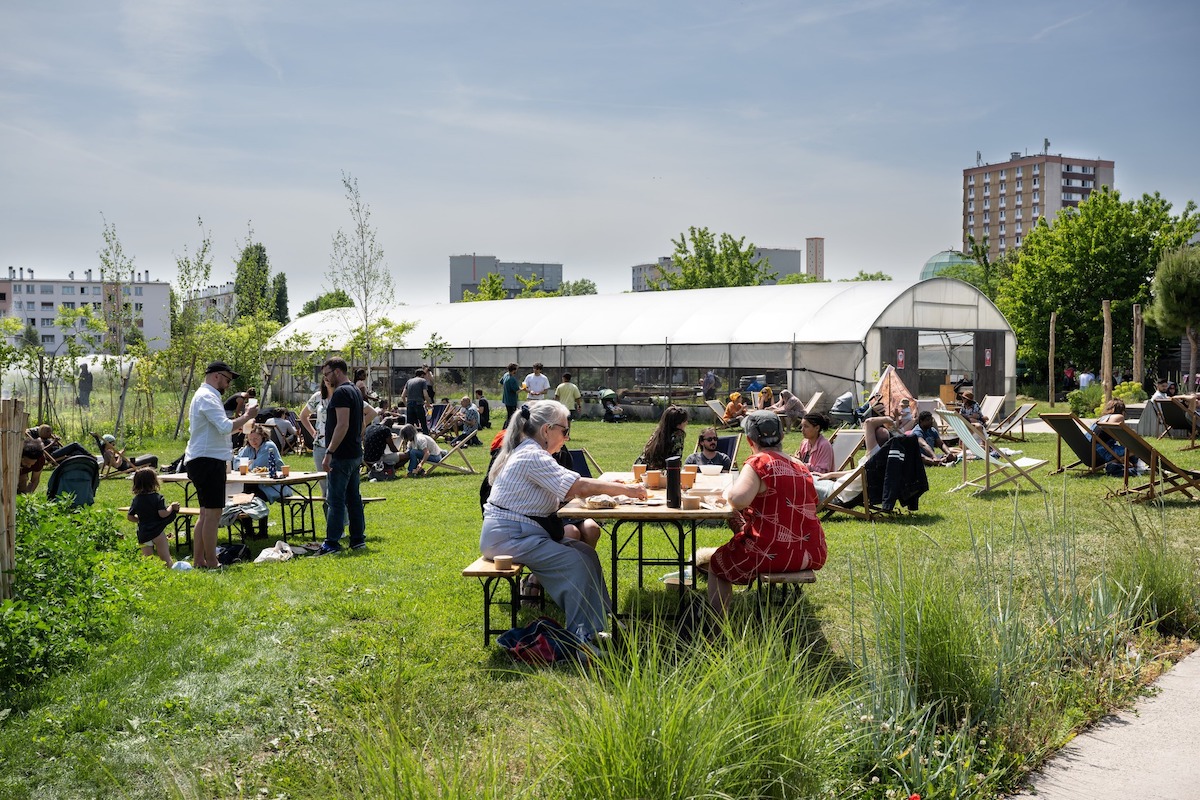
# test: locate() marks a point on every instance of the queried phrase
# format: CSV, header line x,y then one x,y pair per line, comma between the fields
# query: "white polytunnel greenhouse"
x,y
828,337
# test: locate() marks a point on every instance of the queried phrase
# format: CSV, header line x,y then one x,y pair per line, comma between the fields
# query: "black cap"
x,y
220,366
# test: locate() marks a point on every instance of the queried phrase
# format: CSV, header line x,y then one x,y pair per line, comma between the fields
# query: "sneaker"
x,y
327,548
361,546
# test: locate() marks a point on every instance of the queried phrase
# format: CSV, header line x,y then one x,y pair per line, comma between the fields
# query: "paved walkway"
x,y
1152,751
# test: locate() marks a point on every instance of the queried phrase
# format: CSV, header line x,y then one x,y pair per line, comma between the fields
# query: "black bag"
x,y
232,553
552,524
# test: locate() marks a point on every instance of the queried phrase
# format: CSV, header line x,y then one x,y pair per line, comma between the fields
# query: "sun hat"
x,y
109,438
763,427
968,395
735,395
220,366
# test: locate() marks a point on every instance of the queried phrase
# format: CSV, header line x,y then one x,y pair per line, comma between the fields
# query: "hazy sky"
x,y
589,134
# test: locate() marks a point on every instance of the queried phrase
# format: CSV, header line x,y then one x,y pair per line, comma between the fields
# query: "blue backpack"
x,y
541,642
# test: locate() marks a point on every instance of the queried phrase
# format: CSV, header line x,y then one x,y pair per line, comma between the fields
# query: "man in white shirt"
x,y
536,384
1086,379
1160,390
209,447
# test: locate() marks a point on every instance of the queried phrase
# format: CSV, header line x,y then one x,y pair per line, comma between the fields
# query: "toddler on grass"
x,y
150,511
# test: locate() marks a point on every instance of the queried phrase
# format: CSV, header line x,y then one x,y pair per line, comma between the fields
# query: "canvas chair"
x,y
835,501
1178,414
1075,433
107,470
729,445
719,410
998,469
1004,429
456,451
990,407
846,442
811,405
1164,477
583,463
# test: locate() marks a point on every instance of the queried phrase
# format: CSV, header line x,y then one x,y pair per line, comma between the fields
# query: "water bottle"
x,y
272,472
674,493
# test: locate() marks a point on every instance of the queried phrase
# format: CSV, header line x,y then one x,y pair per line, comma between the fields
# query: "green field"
x,y
364,675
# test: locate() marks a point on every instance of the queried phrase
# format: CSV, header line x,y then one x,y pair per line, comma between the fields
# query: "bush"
x,y
71,587
1084,401
1130,392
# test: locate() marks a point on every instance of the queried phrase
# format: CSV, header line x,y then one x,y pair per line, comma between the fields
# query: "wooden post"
x,y
1053,373
1139,344
13,422
1106,353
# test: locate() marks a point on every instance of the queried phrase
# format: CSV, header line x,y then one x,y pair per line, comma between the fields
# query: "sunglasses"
x,y
708,438
566,429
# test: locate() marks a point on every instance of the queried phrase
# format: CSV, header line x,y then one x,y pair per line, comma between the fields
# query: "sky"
x,y
586,134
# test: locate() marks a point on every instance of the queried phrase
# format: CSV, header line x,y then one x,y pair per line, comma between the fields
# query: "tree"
x,y
1105,249
436,351
581,286
192,273
801,277
867,276
323,302
1176,306
356,266
279,294
30,339
490,288
252,280
701,261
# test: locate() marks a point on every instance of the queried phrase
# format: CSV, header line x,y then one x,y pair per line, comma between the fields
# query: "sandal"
x,y
531,592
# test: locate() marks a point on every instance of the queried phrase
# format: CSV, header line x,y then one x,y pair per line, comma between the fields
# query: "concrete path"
x,y
1150,752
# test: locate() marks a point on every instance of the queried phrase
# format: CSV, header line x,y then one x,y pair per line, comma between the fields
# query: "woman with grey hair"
x,y
776,529
528,487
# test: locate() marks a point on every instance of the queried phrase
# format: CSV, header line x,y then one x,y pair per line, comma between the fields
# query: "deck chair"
x,y
1164,477
729,445
849,489
107,471
457,450
1004,429
579,463
811,405
589,460
719,410
1176,415
998,469
990,407
846,442
1075,433
77,477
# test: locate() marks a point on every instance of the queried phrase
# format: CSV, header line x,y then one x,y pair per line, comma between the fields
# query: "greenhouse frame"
x,y
828,337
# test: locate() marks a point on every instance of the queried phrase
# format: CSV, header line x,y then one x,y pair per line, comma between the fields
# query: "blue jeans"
x,y
344,499
415,456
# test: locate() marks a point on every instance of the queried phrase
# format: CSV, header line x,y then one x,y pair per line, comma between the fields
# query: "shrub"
x,y
71,587
1166,577
1130,392
1084,401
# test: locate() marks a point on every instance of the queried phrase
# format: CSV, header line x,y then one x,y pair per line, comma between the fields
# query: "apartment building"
x,y
38,301
1002,202
466,272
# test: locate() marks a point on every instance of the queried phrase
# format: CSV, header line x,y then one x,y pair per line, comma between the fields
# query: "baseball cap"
x,y
763,427
109,438
220,366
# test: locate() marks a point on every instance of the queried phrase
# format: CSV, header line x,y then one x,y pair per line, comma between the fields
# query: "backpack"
x,y
232,553
541,642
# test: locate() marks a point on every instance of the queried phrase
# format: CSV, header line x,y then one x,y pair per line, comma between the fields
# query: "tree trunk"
x,y
121,402
183,403
1139,344
1053,373
1106,353
1193,340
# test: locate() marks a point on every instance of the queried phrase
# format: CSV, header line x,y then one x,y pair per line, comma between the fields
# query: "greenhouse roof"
x,y
812,312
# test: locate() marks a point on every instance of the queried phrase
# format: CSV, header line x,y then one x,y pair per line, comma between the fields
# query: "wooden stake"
x,y
1106,353
1139,344
1052,372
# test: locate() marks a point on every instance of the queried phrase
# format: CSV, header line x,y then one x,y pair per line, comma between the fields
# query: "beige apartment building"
x,y
1002,202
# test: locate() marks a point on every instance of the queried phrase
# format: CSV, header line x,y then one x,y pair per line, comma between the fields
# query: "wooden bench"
x,y
491,576
788,584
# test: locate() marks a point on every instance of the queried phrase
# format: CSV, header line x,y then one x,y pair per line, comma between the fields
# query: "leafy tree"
x,y
192,273
375,342
529,288
252,280
702,261
323,302
1105,249
581,286
1176,291
801,277
30,339
436,351
356,266
867,276
279,293
982,273
490,288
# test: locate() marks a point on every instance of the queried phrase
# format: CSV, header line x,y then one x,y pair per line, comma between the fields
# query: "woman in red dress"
x,y
777,529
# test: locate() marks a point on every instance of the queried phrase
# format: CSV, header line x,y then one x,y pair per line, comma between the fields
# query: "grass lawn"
x,y
271,680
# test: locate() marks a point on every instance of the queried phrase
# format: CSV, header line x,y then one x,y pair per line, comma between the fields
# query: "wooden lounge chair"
x,y
834,502
719,410
1178,414
1075,433
584,463
1164,477
998,469
811,405
1004,429
990,407
729,445
457,450
846,442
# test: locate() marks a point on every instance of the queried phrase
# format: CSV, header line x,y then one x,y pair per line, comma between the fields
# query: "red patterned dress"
x,y
781,532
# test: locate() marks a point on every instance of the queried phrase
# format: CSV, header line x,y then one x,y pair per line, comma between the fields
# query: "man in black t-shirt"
x,y
413,397
343,457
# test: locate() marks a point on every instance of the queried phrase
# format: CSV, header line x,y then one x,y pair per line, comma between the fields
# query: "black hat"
x,y
763,427
220,366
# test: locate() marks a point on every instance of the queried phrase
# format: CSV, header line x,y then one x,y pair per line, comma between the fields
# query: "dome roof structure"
x,y
939,261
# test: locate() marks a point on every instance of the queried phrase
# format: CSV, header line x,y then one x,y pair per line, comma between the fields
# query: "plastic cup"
x,y
243,466
654,479
638,471
687,480
287,470
692,468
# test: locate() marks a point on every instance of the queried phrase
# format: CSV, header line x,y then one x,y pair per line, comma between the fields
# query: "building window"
x,y
1019,185
68,290
47,322
137,306
1001,202
68,304
1020,170
19,305
125,290
1003,188
970,180
987,178
970,196
47,306
16,288
32,322
1035,196
1018,241
47,338
45,289
987,218
137,290
971,206
97,306
987,191
1035,212
970,219
1002,216
1037,169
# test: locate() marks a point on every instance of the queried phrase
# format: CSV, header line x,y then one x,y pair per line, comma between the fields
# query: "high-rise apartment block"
x,y
1002,202
466,272
134,300
783,262
815,256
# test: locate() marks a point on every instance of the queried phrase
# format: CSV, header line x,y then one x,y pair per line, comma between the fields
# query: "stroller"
x,y
612,411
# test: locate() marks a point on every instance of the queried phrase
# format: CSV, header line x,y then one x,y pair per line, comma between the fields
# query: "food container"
x,y
502,562
710,469
690,502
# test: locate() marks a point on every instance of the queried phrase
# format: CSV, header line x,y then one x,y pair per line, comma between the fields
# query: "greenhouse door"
x,y
898,347
989,363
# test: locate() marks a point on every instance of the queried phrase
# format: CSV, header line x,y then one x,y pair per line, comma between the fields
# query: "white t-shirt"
x,y
537,386
317,406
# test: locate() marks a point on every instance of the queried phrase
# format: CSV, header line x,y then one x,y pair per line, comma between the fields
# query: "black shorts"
x,y
208,477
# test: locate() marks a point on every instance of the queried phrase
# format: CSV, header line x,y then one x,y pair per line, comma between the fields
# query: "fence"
x,y
13,421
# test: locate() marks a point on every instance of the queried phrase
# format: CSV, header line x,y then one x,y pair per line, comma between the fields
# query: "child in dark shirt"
x,y
150,511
